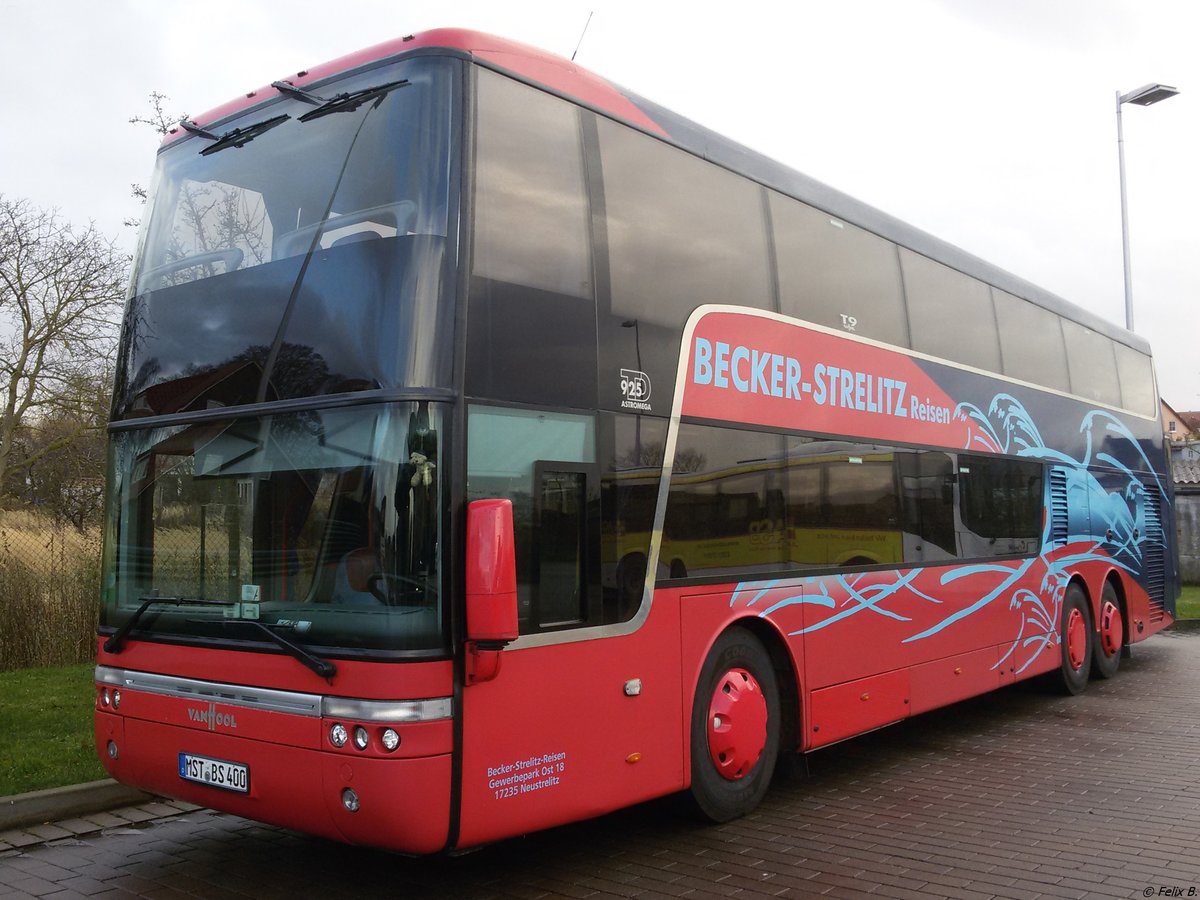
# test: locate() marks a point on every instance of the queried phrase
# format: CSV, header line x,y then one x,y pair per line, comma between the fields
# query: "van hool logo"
x,y
211,717
635,387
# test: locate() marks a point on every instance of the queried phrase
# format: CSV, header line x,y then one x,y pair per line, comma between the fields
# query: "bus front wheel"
x,y
735,727
1109,637
1075,641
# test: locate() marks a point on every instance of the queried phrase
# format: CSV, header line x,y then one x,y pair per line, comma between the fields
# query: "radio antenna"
x,y
582,33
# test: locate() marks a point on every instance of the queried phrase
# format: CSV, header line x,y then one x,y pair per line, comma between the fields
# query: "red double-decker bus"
x,y
492,448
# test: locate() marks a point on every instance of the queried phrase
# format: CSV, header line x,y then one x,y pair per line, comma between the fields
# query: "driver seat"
x,y
360,565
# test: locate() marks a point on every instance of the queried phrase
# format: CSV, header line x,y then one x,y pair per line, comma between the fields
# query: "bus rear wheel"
x,y
1075,641
1108,640
735,727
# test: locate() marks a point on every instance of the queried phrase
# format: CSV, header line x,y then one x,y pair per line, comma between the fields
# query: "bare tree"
x,y
64,463
162,122
61,294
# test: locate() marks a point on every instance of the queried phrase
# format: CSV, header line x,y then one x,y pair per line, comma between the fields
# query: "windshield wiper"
x,y
322,667
352,100
240,137
115,643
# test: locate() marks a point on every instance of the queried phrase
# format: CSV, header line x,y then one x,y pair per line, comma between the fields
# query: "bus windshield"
x,y
298,250
322,523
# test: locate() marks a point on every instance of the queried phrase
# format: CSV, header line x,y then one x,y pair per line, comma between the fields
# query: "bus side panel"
x,y
842,711
868,623
955,678
573,730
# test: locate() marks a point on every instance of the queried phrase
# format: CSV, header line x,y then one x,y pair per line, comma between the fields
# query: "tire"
x,y
735,728
1075,642
1108,640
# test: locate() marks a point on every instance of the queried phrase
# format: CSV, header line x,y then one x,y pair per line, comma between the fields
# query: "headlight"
x,y
390,739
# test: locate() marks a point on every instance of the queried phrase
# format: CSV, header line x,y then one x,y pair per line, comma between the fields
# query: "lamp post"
x,y
1146,95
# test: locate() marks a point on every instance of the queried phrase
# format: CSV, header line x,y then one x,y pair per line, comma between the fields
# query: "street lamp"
x,y
1146,95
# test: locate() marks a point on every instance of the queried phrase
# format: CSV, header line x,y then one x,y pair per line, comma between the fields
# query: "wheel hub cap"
x,y
1112,630
737,724
1076,639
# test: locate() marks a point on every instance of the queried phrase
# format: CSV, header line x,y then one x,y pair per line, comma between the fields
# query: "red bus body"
x,y
499,733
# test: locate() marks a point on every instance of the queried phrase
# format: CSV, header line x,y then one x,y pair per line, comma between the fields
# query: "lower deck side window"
x,y
744,502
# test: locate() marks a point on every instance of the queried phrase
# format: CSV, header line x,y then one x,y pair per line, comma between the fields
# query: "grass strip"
x,y
46,728
1189,602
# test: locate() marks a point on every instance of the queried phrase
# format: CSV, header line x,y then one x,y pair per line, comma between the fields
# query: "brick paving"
x,y
1019,794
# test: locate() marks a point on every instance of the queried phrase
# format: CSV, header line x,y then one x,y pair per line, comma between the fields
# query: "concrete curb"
x,y
38,807
1184,625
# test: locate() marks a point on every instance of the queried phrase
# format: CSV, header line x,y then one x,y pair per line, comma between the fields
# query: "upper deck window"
x,y
1031,341
837,275
1092,363
295,251
950,313
680,232
1137,380
531,321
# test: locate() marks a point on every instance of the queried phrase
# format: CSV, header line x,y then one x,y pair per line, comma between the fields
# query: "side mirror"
x,y
491,574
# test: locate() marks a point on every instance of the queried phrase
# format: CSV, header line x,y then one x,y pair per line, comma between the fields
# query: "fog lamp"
x,y
350,800
112,750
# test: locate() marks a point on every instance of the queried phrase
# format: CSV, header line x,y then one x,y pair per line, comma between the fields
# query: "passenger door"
x,y
584,713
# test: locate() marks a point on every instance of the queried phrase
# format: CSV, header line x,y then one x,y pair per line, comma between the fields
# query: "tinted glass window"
x,y
680,232
1092,363
837,275
531,318
727,508
749,503
927,501
1001,505
1137,380
950,314
1031,342
330,518
542,462
860,490
531,213
306,262
631,457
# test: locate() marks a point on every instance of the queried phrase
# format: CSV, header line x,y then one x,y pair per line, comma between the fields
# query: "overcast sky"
x,y
990,123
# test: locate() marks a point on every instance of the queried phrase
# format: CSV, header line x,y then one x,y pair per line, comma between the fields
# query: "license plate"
x,y
218,772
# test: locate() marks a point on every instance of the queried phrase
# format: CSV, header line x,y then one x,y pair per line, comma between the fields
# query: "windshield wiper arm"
x,y
322,667
115,643
240,137
286,87
353,100
192,128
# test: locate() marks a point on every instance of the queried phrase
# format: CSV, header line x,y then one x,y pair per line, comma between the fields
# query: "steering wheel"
x,y
382,586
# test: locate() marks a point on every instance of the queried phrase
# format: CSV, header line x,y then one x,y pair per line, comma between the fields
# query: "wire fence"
x,y
49,591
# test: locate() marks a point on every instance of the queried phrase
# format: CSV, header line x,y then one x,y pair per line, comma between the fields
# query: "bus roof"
x,y
563,77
